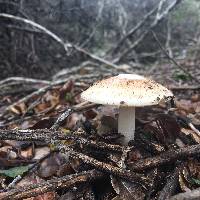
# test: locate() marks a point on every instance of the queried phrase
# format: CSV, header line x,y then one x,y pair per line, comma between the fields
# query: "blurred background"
x,y
150,37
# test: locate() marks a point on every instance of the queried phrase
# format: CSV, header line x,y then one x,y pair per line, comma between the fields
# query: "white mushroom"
x,y
127,91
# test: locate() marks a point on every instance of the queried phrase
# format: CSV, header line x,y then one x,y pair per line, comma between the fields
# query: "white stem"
x,y
126,123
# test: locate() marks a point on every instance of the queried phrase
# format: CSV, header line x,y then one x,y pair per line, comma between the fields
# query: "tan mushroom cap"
x,y
127,90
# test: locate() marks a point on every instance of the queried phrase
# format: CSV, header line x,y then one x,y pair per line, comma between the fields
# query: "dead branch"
x,y
49,135
184,87
66,46
166,158
172,59
23,80
36,25
157,20
42,90
134,30
51,185
121,172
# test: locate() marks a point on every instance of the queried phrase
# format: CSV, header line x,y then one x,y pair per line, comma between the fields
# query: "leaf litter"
x,y
93,132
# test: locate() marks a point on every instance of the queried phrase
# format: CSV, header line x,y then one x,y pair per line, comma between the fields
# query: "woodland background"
x,y
98,27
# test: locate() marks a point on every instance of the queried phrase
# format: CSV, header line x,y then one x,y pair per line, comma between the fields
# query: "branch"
x,y
49,135
134,30
166,158
36,25
153,25
23,80
66,46
121,172
64,182
173,60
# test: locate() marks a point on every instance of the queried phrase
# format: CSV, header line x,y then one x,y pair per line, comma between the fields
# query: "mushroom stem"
x,y
126,123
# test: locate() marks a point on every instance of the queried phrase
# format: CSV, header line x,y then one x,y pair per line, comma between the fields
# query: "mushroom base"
x,y
126,123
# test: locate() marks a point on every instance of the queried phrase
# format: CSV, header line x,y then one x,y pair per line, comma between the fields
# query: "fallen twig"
x,y
23,80
51,185
172,59
184,88
48,135
105,167
165,158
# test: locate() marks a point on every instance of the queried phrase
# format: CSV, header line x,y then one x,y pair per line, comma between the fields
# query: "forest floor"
x,y
55,146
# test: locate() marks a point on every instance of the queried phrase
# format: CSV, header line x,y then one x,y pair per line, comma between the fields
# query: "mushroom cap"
x,y
127,90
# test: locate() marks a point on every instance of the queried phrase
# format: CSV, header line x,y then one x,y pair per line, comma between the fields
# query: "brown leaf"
x,y
73,120
185,105
19,109
41,152
107,124
66,88
195,98
183,183
43,123
165,128
191,133
49,166
65,169
27,153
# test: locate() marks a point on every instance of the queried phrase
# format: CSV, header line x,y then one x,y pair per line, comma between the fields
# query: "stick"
x,y
48,135
69,111
64,182
184,88
166,158
121,172
172,59
23,80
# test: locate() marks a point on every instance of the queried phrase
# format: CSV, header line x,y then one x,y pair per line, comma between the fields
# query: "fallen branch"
x,y
184,88
51,185
36,25
165,158
173,60
49,135
23,80
42,90
105,167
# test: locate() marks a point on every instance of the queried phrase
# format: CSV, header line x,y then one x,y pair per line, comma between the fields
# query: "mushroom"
x,y
127,91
